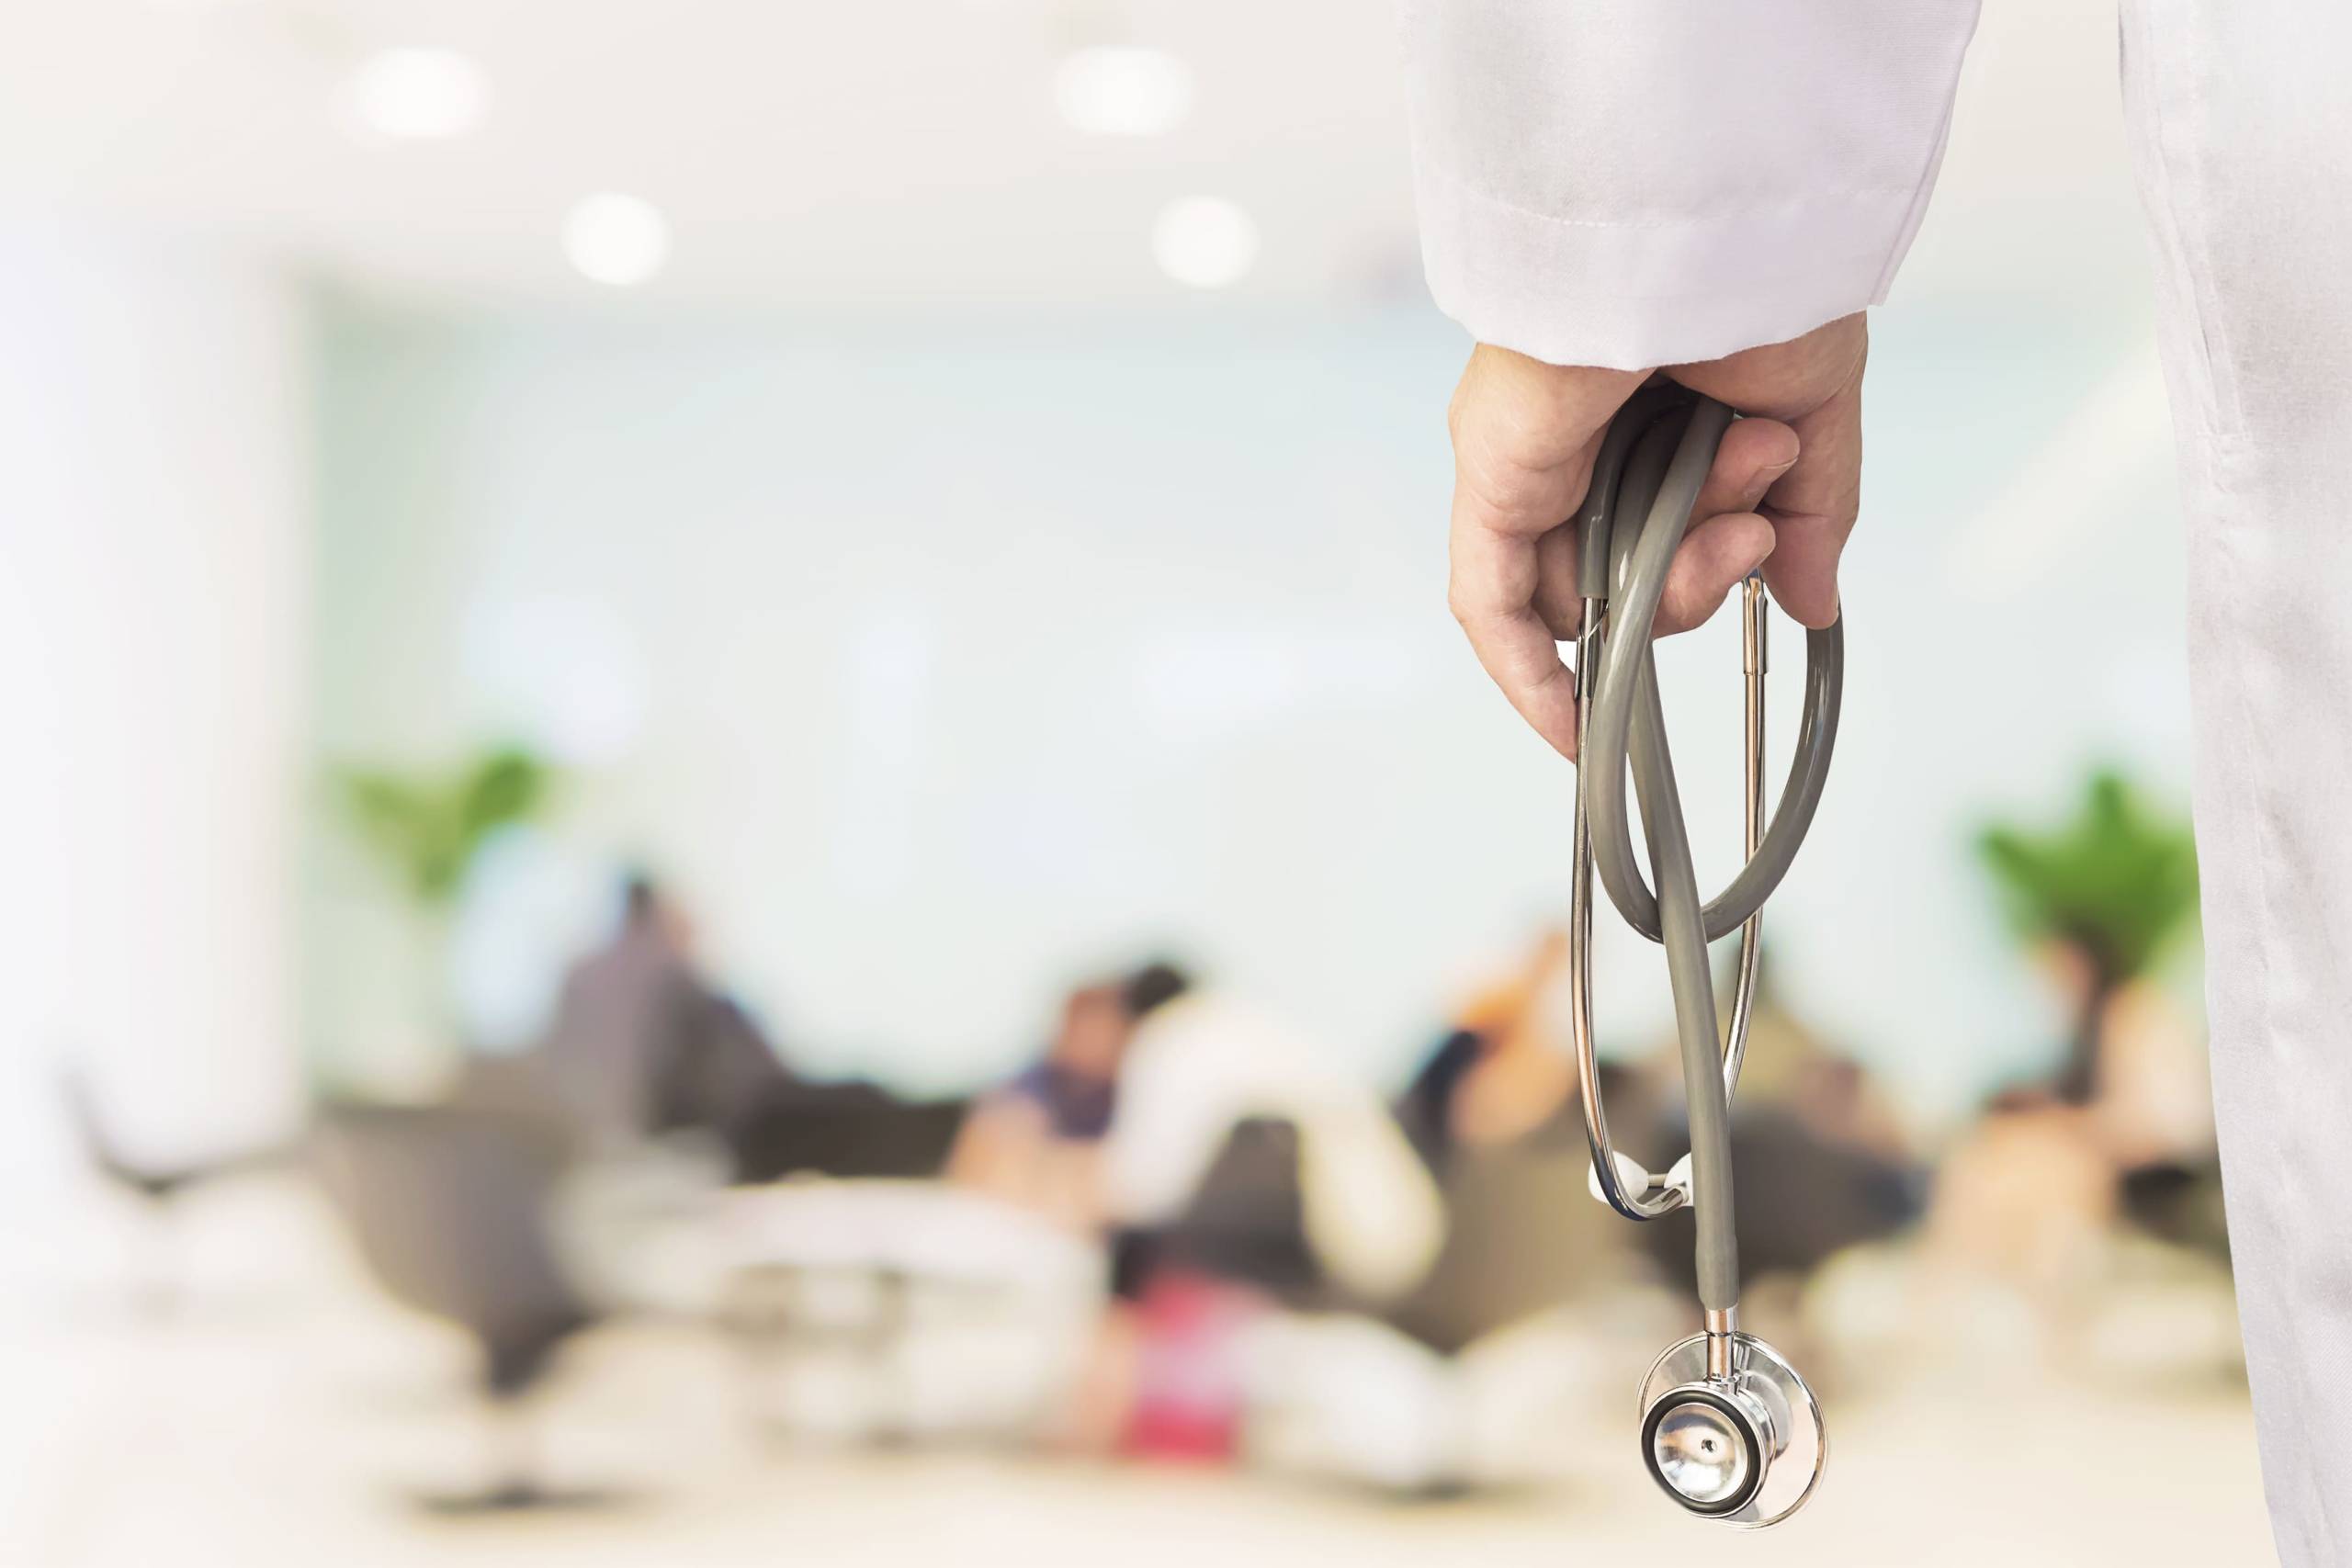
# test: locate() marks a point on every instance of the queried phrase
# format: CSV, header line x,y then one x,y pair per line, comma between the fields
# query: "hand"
x,y
1783,496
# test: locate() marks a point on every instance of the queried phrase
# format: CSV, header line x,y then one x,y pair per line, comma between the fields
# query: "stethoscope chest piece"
x,y
1743,1445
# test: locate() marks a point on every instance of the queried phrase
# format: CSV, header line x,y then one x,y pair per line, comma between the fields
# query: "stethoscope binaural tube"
x,y
1715,1439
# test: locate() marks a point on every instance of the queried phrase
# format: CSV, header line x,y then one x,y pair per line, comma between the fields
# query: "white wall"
x,y
152,573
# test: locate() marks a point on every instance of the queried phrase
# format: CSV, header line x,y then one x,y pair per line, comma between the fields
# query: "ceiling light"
x,y
1205,241
1123,90
617,239
416,94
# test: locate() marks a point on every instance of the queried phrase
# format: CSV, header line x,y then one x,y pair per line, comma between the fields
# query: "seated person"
x,y
1245,1166
1245,1150
1497,1074
1037,1141
642,1043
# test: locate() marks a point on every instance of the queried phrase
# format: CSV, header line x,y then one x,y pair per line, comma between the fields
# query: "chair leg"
x,y
511,1465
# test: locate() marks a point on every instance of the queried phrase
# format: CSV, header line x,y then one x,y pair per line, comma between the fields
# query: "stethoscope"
x,y
1729,1430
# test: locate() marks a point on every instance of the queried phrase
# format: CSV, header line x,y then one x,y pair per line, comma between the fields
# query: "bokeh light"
x,y
416,94
1204,242
616,239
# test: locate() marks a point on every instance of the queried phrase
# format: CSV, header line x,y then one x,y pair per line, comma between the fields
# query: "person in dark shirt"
x,y
1036,1142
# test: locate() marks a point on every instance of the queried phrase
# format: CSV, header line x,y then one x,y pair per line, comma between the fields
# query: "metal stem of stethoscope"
x,y
1729,1430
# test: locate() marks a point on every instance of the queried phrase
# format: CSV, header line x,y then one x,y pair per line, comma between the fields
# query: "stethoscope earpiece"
x,y
1729,1431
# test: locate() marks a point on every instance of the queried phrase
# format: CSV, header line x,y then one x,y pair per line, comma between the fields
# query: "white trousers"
x,y
2241,126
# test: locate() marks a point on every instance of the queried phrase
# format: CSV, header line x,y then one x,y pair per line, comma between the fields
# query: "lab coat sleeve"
x,y
1638,183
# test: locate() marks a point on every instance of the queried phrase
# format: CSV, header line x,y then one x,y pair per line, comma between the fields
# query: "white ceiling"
x,y
873,152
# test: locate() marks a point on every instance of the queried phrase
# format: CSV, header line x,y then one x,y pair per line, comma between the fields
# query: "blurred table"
x,y
925,1230
955,1309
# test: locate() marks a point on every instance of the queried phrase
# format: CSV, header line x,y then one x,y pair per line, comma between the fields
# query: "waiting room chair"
x,y
451,1209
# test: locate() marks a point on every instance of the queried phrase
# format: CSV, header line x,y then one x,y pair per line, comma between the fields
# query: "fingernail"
x,y
1763,481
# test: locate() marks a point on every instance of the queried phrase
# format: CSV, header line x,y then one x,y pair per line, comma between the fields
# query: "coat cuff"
x,y
1637,294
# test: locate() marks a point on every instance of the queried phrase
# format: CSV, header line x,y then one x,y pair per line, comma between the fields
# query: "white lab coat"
x,y
1635,182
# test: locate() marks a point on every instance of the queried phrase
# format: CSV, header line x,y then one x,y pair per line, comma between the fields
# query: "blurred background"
x,y
742,822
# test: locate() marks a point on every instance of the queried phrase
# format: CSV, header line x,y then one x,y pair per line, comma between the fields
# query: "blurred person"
x,y
2028,1195
2026,1198
643,1042
1240,1168
1037,1142
1204,1069
1627,187
1499,1073
1789,1064
1837,1099
2041,1176
2142,1076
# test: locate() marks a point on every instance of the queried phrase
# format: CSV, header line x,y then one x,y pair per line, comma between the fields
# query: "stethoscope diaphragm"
x,y
1744,1444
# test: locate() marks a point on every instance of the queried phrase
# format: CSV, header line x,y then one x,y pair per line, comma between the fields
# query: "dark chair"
x,y
449,1207
842,1130
1521,1237
1801,1199
1245,1222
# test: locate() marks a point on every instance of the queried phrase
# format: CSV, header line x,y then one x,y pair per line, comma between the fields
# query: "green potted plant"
x,y
2112,887
426,827
396,1033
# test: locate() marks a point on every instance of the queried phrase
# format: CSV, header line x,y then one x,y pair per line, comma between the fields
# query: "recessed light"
x,y
1123,90
416,94
617,239
1205,241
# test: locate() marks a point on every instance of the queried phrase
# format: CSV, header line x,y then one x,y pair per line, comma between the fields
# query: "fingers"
x,y
1558,595
1814,384
1493,595
1525,437
1519,650
1813,506
1520,654
1715,556
1754,455
1727,538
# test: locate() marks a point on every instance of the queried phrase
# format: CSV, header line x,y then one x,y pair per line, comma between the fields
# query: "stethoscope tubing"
x,y
1646,478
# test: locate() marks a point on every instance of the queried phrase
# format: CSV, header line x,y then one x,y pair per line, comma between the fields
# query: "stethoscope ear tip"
x,y
1660,1194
